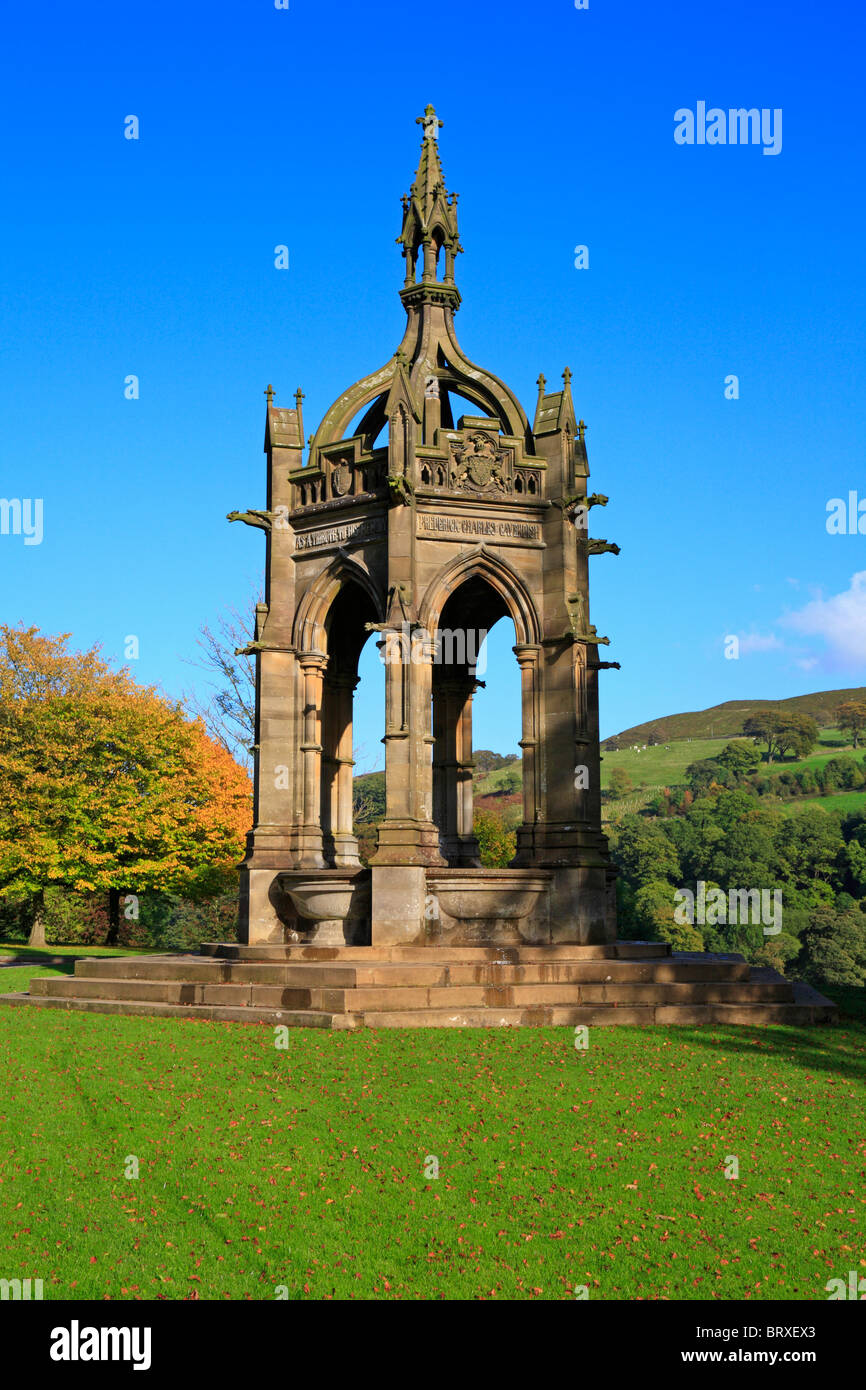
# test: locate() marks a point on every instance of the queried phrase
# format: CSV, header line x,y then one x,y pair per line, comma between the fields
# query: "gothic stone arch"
x,y
450,523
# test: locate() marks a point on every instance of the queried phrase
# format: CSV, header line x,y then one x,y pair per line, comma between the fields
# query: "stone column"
x,y
468,849
313,667
528,659
445,793
408,835
440,760
408,839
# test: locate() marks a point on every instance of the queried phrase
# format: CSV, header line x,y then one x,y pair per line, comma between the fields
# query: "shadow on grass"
x,y
831,1047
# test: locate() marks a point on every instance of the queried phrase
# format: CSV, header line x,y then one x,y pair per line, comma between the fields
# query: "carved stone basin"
x,y
487,904
333,906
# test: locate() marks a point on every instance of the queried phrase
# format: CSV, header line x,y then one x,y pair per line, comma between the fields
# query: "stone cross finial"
x,y
299,396
270,394
541,383
581,428
430,122
566,376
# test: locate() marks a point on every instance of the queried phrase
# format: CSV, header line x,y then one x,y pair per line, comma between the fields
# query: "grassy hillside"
x,y
726,720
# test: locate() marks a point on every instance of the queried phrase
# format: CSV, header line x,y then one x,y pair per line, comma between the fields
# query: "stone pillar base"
x,y
407,842
258,919
399,898
580,900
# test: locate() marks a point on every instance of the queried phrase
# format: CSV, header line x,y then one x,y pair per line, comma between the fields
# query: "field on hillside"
x,y
661,766
726,720
312,1168
843,802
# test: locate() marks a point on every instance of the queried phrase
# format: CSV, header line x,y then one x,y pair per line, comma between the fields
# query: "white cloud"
x,y
840,621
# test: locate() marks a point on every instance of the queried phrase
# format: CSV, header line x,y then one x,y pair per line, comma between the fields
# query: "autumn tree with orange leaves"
x,y
106,785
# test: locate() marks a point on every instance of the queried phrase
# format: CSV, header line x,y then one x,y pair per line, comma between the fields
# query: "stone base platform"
x,y
350,987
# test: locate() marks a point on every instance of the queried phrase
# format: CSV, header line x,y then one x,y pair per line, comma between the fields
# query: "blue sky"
x,y
261,126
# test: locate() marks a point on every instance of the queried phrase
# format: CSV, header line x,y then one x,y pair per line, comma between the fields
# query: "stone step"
x,y
445,971
807,1007
620,950
290,1018
529,996
195,994
398,997
750,1015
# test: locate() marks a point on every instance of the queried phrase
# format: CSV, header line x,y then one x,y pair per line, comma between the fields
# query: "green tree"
x,y
809,845
654,909
645,853
740,756
783,731
806,781
835,947
703,774
620,783
105,785
841,773
851,718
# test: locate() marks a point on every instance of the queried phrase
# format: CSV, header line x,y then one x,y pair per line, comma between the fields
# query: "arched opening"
x,y
467,616
439,259
455,406
345,635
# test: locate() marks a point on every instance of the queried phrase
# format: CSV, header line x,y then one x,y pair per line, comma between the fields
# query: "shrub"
x,y
497,844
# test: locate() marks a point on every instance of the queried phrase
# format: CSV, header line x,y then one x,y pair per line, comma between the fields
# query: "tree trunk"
x,y
113,916
37,929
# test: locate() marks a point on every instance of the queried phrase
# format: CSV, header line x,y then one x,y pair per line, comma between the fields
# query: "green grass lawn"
x,y
16,978
15,948
844,802
305,1167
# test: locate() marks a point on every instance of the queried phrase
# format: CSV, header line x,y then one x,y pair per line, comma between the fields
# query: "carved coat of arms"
x,y
341,478
477,464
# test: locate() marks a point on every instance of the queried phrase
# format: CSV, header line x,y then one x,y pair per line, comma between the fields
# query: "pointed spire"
x,y
429,178
429,234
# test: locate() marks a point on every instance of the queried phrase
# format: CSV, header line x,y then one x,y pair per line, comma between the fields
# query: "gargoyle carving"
x,y
400,611
400,489
264,520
